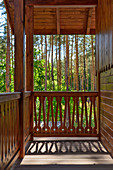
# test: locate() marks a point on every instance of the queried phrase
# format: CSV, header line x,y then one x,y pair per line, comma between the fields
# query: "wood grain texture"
x,y
19,77
73,19
104,34
106,109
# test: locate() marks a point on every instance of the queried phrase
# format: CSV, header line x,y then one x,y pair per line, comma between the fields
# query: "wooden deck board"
x,y
65,154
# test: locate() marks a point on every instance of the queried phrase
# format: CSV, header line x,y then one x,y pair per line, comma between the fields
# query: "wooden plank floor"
x,y
62,153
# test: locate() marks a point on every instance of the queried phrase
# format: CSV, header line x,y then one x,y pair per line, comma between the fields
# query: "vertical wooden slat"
x,y
69,115
86,115
44,113
56,116
35,111
60,107
77,113
39,117
95,117
73,116
52,114
82,111
48,98
90,116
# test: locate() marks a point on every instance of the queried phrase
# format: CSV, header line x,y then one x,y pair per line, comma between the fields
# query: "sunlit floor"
x,y
65,153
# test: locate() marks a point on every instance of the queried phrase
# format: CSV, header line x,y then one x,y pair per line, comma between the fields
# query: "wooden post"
x,y
29,60
19,81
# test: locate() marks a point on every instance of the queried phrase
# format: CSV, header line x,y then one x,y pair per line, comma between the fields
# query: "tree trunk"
x,y
42,45
71,64
67,64
93,66
77,67
52,65
45,63
84,65
8,59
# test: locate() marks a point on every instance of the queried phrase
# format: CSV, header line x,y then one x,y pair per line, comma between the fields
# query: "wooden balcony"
x,y
56,114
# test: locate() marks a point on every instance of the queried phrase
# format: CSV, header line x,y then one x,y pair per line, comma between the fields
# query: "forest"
x,y
61,62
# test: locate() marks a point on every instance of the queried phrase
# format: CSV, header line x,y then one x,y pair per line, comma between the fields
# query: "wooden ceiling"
x,y
52,17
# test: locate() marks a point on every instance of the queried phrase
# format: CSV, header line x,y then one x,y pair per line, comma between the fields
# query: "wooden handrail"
x,y
65,94
5,97
27,93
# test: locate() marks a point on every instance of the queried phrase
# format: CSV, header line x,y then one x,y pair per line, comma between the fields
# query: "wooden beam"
x,y
19,81
60,2
89,21
62,31
9,15
29,59
58,20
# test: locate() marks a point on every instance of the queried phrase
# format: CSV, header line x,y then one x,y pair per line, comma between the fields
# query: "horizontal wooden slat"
x,y
108,122
107,135
66,94
4,97
106,144
106,114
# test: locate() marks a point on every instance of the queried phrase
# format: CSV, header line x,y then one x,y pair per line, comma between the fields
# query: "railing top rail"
x,y
27,93
65,94
5,97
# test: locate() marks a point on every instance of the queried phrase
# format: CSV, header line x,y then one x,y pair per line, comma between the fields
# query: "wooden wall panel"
x,y
106,109
104,64
104,34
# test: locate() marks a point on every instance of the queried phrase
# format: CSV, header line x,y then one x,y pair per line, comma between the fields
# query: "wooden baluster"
x,y
52,114
48,128
69,116
10,127
86,115
77,109
60,100
56,115
13,126
39,117
44,111
90,117
35,111
6,129
64,126
95,117
11,107
8,110
3,113
17,122
73,116
82,114
16,111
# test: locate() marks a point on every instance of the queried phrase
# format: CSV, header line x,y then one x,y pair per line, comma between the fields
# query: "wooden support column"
x,y
19,81
29,60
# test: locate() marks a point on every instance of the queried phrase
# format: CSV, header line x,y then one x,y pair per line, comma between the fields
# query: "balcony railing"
x,y
65,114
